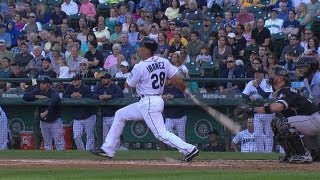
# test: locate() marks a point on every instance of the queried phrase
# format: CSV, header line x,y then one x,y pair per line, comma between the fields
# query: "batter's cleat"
x,y
100,152
190,156
284,158
301,159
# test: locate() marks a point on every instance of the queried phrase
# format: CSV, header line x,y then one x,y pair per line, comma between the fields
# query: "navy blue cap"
x,y
77,77
45,79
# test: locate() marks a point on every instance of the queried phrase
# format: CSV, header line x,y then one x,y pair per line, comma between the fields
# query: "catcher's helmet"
x,y
280,71
306,66
149,44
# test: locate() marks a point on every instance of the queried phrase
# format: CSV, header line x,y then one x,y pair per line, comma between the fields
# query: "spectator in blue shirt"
x,y
5,36
150,5
127,50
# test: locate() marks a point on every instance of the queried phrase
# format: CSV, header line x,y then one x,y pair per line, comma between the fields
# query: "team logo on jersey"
x,y
139,129
16,125
202,128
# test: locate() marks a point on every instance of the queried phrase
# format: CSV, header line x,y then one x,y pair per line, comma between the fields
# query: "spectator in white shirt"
x,y
123,73
70,7
274,24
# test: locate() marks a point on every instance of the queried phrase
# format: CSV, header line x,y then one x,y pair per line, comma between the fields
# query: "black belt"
x,y
142,96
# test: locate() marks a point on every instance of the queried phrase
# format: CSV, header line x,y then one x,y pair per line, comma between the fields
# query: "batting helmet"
x,y
306,66
149,44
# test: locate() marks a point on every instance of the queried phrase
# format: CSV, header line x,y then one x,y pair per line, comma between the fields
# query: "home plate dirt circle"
x,y
167,163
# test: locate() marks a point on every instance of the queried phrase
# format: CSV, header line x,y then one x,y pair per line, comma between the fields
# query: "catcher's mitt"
x,y
243,111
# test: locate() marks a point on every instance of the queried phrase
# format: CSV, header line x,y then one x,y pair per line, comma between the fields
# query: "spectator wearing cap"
x,y
58,17
193,14
16,73
195,45
237,49
24,57
219,22
5,71
105,91
102,35
89,10
206,29
50,116
293,45
150,5
94,56
4,52
127,50
47,71
274,24
32,26
115,37
215,145
172,11
123,73
283,12
69,7
232,71
245,17
84,118
261,35
291,26
5,36
74,61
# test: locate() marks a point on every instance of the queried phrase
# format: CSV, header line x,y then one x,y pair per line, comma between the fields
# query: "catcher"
x,y
295,114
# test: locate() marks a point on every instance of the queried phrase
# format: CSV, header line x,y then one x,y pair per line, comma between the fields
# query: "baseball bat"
x,y
218,116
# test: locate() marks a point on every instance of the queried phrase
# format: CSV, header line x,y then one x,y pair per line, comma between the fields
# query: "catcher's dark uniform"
x,y
300,112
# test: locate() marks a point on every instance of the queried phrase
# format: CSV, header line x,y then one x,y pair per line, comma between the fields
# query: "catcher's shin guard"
x,y
287,136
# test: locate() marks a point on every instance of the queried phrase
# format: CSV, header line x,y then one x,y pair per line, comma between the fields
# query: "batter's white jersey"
x,y
247,141
153,72
250,90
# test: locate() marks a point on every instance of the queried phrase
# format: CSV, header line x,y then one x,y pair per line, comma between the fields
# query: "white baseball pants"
x,y
179,124
307,125
107,122
3,130
263,132
52,131
87,126
150,110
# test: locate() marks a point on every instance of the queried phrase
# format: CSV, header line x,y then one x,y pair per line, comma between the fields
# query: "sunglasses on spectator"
x,y
32,17
230,61
83,64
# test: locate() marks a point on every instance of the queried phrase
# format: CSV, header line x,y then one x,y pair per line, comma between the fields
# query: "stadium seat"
x,y
105,53
265,2
260,14
195,26
194,72
49,27
235,9
192,65
73,21
210,69
254,9
103,10
53,2
35,2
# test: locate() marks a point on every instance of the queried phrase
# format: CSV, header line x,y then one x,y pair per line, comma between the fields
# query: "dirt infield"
x,y
167,163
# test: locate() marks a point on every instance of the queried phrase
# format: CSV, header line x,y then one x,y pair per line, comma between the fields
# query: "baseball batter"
x,y
246,139
3,130
148,77
260,89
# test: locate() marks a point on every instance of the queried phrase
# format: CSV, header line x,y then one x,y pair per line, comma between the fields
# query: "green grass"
x,y
48,174
132,155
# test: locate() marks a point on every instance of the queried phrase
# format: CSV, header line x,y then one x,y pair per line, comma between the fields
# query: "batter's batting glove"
x,y
243,111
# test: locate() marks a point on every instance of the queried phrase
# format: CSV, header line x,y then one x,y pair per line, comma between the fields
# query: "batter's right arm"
x,y
179,83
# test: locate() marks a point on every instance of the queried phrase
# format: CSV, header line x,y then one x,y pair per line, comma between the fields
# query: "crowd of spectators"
x,y
40,38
